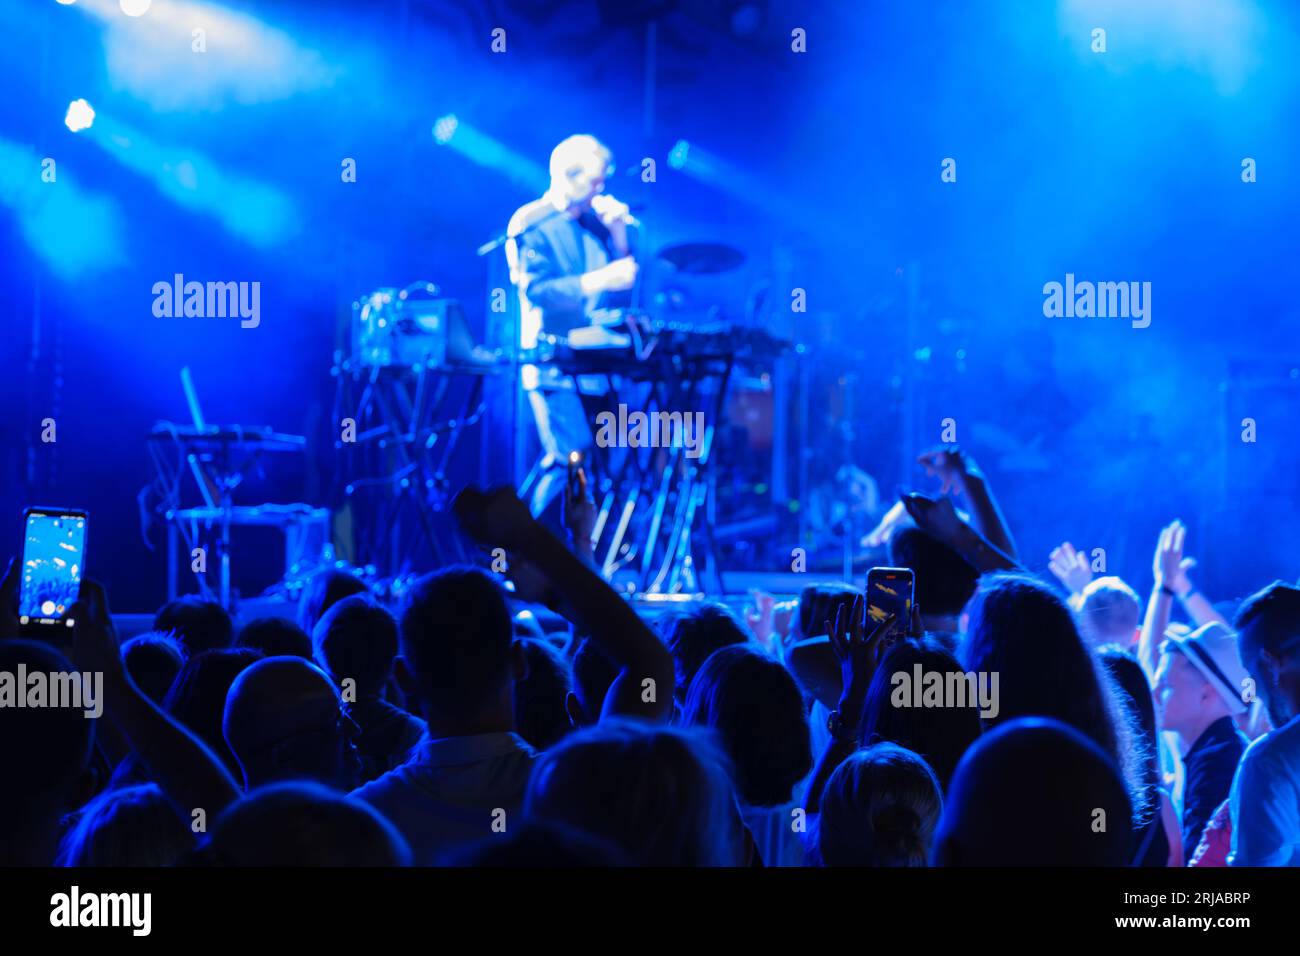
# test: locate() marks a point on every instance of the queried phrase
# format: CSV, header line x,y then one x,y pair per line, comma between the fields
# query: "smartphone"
x,y
53,556
890,591
577,477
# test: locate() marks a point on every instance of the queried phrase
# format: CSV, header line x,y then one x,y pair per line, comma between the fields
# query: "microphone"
x,y
627,217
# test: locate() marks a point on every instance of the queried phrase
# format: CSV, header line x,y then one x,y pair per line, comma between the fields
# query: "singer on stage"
x,y
569,257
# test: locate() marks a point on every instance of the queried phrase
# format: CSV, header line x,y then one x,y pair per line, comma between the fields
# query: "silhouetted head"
x,y
284,721
127,826
1035,792
1025,632
197,624
1268,634
939,734
879,808
275,637
945,580
304,824
661,794
45,756
692,637
357,639
818,604
757,710
197,697
540,714
323,591
458,648
153,660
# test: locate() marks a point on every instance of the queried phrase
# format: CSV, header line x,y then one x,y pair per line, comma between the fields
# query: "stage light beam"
x,y
451,131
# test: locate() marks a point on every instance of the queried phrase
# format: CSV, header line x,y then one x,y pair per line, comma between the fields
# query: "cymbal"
x,y
702,258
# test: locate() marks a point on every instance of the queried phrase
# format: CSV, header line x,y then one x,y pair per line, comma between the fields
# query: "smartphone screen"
x,y
54,548
889,591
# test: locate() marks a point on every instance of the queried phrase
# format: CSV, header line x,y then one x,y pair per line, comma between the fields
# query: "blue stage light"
x,y
489,152
135,8
445,128
80,116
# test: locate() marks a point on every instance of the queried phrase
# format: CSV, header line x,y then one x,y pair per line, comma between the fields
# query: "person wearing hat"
x,y
1198,691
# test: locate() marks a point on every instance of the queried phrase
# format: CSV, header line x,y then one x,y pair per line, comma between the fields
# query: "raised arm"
x,y
859,654
189,774
499,519
938,518
1165,567
960,475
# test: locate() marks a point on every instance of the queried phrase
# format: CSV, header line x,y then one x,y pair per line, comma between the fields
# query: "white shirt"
x,y
449,792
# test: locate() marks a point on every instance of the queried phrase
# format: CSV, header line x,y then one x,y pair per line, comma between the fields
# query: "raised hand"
x,y
1071,568
759,617
495,518
859,651
950,465
936,516
9,600
579,513
1170,567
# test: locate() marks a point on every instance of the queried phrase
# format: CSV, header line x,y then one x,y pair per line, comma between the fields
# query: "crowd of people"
x,y
548,723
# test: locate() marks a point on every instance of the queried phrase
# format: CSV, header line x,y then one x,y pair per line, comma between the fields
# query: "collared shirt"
x,y
387,735
1266,801
449,792
1208,769
547,262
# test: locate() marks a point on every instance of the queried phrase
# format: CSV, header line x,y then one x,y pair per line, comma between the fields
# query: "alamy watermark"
x,y
1099,300
75,908
922,688
209,300
71,689
651,430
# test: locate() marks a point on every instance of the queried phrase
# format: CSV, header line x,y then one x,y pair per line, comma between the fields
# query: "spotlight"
x,y
680,153
67,2
80,116
134,8
445,128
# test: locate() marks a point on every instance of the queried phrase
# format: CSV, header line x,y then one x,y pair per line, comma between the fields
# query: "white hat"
x,y
1212,649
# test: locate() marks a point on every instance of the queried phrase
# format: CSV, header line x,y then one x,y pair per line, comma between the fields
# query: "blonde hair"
x,y
573,147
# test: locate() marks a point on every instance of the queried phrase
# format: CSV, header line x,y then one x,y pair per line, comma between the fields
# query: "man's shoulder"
x,y
377,791
1280,747
510,748
528,214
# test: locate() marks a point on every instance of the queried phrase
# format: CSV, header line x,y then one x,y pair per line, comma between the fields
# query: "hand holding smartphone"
x,y
890,591
53,558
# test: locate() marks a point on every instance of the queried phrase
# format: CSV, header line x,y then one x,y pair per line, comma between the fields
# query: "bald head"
x,y
283,722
